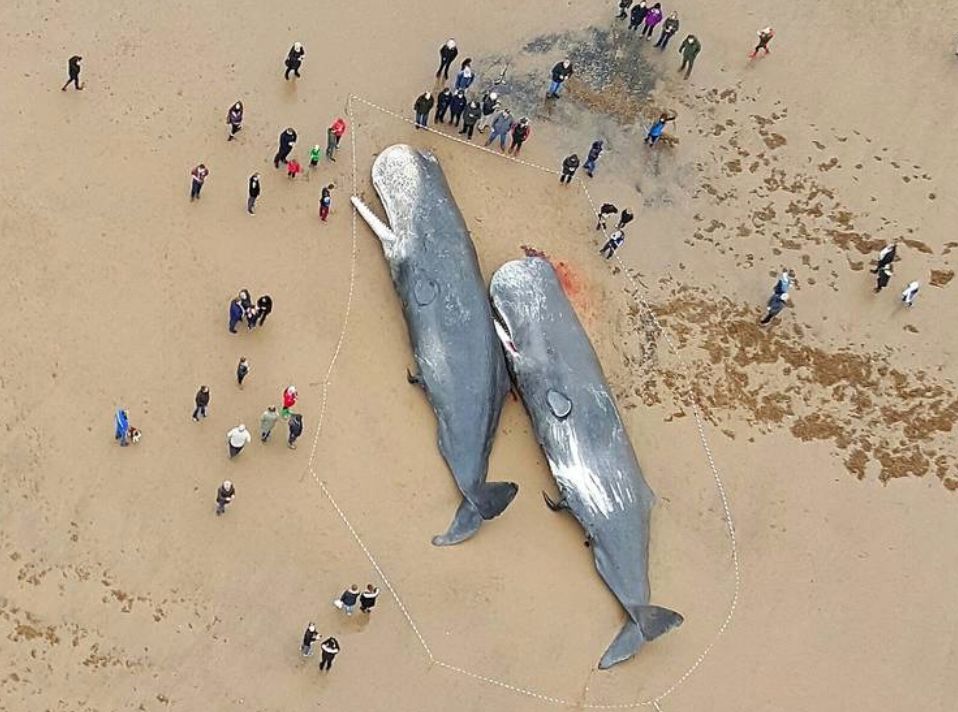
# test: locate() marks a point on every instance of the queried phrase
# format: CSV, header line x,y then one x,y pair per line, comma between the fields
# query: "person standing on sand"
x,y
224,495
469,119
689,49
612,244
625,218
652,18
884,277
560,72
347,601
73,71
520,133
500,129
294,60
775,305
236,314
293,168
325,201
590,160
569,166
264,306
490,105
442,104
764,37
658,128
669,28
624,6
121,427
286,141
466,76
309,637
242,370
289,400
234,119
236,439
886,256
334,134
329,650
315,153
456,106
422,107
605,211
637,15
367,599
252,314
295,426
252,193
197,178
202,401
909,294
266,422
447,54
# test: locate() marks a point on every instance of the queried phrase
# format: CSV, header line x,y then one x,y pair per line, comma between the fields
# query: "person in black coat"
x,y
447,54
329,650
294,60
295,429
73,69
638,14
470,117
442,105
623,9
422,107
560,72
456,106
286,141
253,193
202,402
569,166
264,305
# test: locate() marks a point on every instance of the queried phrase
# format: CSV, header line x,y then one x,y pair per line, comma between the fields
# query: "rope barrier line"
x,y
691,402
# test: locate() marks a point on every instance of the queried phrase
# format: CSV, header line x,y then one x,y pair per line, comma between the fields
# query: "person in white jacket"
x,y
237,438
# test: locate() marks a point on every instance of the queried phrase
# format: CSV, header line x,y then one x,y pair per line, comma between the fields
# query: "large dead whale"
x,y
579,428
436,274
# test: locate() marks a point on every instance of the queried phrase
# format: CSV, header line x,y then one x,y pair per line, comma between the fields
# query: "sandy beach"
x,y
831,430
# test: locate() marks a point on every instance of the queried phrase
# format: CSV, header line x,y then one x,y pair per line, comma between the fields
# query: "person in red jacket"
x,y
289,400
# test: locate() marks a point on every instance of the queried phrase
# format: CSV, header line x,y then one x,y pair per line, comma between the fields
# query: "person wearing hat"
x,y
237,439
309,637
775,305
294,60
202,401
286,141
764,37
569,166
73,71
560,72
447,53
329,650
367,599
422,107
224,495
490,105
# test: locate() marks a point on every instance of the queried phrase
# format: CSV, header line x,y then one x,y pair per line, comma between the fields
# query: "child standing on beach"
x,y
325,200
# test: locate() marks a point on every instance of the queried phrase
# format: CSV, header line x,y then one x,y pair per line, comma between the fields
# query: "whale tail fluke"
x,y
489,502
653,621
494,497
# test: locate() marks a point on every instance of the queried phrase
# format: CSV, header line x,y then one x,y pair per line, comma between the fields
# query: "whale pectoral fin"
x,y
555,506
464,525
653,621
414,379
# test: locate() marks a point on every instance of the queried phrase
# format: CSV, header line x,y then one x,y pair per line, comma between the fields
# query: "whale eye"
x,y
426,291
559,404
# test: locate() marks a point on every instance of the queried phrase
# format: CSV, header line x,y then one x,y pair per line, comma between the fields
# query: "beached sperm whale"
x,y
460,364
576,421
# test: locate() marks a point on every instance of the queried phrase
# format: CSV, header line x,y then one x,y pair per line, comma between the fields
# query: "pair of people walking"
x,y
617,238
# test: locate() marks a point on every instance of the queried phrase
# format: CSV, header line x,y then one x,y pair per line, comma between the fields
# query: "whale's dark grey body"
x,y
576,422
460,364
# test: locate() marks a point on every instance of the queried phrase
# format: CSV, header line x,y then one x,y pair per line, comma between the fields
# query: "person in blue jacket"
x,y
236,314
466,76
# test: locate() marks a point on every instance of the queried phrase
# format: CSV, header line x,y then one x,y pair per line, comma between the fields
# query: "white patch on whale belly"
x,y
603,493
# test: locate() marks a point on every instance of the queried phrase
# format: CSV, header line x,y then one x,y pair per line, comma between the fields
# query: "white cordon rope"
x,y
652,702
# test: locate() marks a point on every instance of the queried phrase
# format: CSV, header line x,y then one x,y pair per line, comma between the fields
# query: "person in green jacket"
x,y
689,49
266,423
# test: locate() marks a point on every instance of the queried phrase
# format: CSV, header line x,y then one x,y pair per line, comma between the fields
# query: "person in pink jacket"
x,y
652,18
